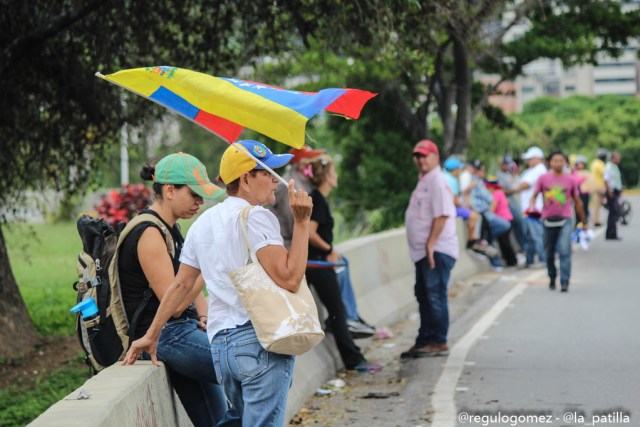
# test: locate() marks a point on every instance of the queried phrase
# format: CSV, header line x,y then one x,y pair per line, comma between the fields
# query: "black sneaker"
x,y
552,284
564,286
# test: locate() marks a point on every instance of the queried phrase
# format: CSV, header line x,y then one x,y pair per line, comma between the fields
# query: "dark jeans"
x,y
613,202
506,249
558,239
584,197
325,282
186,352
433,304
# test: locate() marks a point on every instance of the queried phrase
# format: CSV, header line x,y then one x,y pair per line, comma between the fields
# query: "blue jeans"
x,y
518,226
256,381
558,238
433,304
535,245
184,349
497,226
346,290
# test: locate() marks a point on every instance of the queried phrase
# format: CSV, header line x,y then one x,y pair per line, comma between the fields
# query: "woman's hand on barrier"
x,y
300,203
138,347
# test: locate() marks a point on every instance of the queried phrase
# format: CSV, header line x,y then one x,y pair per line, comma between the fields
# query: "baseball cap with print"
x,y
234,162
426,147
182,168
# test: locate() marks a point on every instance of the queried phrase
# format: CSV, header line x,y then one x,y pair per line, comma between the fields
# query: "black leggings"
x,y
325,282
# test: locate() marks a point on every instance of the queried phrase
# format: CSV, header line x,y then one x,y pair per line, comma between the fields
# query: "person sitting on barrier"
x,y
146,270
500,207
256,381
299,170
324,179
452,169
508,178
481,201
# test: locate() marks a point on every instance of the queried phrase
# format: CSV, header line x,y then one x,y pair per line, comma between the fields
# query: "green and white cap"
x,y
182,168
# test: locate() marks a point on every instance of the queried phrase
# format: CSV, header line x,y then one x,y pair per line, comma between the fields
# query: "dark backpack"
x,y
106,337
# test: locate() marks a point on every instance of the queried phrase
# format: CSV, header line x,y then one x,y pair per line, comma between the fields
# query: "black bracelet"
x,y
328,251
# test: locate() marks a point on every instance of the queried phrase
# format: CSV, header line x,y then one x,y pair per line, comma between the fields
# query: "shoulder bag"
x,y
285,322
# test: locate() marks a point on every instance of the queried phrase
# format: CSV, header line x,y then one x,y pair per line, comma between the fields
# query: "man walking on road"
x,y
613,183
558,188
433,247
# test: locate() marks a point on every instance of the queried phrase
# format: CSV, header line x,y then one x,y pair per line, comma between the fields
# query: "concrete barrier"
x,y
140,395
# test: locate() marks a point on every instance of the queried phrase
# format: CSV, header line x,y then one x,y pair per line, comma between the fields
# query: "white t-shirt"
x,y
214,245
531,176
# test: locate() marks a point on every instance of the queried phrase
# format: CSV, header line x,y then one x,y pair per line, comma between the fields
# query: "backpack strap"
x,y
139,219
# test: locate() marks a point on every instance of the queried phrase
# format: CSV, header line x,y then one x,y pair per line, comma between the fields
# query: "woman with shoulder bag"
x,y
147,268
256,381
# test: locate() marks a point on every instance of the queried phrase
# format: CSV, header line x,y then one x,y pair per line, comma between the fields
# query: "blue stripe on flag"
x,y
306,104
171,100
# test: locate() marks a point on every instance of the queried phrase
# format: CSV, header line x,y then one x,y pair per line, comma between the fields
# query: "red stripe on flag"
x,y
350,104
225,129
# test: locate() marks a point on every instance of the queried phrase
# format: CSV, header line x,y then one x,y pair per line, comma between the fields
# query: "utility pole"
x,y
124,155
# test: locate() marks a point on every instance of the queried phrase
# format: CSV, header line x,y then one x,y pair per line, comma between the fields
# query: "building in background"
x,y
546,77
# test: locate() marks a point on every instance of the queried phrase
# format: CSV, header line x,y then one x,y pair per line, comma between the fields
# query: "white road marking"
x,y
444,393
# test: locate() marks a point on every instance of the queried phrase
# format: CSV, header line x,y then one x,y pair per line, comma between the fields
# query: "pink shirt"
x,y
557,192
502,205
431,199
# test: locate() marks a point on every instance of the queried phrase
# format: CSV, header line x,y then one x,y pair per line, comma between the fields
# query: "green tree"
x,y
421,57
58,119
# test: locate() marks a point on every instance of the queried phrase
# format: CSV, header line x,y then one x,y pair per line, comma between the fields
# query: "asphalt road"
x,y
521,354
550,358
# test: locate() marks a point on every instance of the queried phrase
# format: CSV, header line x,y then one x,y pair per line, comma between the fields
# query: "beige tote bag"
x,y
285,322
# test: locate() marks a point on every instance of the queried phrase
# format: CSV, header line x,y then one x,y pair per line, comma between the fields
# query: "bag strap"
x,y
146,297
243,218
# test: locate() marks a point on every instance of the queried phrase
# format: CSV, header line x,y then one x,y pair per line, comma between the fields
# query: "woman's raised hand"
x,y
300,203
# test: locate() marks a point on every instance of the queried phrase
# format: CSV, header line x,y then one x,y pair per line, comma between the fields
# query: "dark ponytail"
x,y
147,172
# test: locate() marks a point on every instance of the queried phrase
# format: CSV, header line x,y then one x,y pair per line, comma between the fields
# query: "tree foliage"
x,y
58,119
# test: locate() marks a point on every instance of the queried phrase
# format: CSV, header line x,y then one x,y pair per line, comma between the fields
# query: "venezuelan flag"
x,y
226,106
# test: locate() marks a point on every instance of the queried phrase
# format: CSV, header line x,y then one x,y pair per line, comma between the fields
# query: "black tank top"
x,y
133,281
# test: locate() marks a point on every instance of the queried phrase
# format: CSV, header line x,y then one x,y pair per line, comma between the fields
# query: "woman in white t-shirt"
x,y
256,381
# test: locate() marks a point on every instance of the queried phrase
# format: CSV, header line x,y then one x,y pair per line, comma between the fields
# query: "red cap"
x,y
425,147
304,153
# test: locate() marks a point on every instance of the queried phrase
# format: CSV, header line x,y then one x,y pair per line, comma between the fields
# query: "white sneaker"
x,y
484,248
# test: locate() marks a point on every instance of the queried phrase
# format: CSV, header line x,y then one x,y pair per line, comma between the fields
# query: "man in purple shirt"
x,y
558,188
430,222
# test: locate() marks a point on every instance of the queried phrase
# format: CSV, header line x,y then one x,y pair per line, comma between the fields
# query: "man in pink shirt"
x,y
558,188
433,247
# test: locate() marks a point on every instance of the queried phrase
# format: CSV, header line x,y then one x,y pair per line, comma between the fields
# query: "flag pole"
x,y
239,146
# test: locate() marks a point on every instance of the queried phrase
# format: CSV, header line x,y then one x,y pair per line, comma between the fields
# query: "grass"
x,y
19,405
43,260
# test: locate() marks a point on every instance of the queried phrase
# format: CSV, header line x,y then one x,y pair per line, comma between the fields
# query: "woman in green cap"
x,y
146,269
